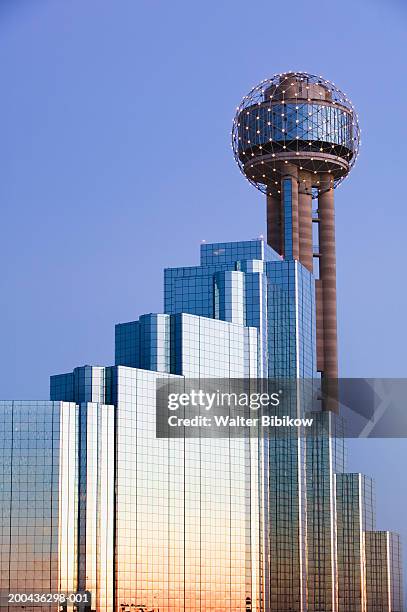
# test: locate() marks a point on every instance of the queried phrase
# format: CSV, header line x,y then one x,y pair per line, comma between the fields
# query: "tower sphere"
x,y
295,118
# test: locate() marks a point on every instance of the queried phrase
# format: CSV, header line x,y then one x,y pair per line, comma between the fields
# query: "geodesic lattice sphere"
x,y
295,118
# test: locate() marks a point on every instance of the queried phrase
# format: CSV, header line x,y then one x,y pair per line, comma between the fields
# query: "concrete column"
x,y
327,273
320,325
305,219
290,171
274,230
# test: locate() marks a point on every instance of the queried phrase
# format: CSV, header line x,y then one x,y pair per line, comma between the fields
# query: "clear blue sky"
x,y
115,162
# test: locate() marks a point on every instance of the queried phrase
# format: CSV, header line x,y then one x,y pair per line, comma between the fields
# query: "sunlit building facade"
x,y
355,516
383,572
49,536
38,446
192,515
174,525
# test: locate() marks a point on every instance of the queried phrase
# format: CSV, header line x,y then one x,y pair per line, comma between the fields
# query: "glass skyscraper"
x,y
93,500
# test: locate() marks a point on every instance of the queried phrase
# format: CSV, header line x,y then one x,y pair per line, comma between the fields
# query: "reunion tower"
x,y
296,137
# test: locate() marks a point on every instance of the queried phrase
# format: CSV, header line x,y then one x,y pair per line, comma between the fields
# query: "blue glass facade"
x,y
144,343
275,296
288,218
260,125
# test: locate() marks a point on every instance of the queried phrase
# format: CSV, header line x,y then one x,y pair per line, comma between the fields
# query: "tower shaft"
x,y
274,229
305,216
289,232
327,273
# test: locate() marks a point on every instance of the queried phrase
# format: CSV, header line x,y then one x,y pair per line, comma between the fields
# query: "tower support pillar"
x,y
289,190
327,273
274,229
305,219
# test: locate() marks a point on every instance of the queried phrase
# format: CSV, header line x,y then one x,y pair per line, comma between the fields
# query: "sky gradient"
x,y
116,162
